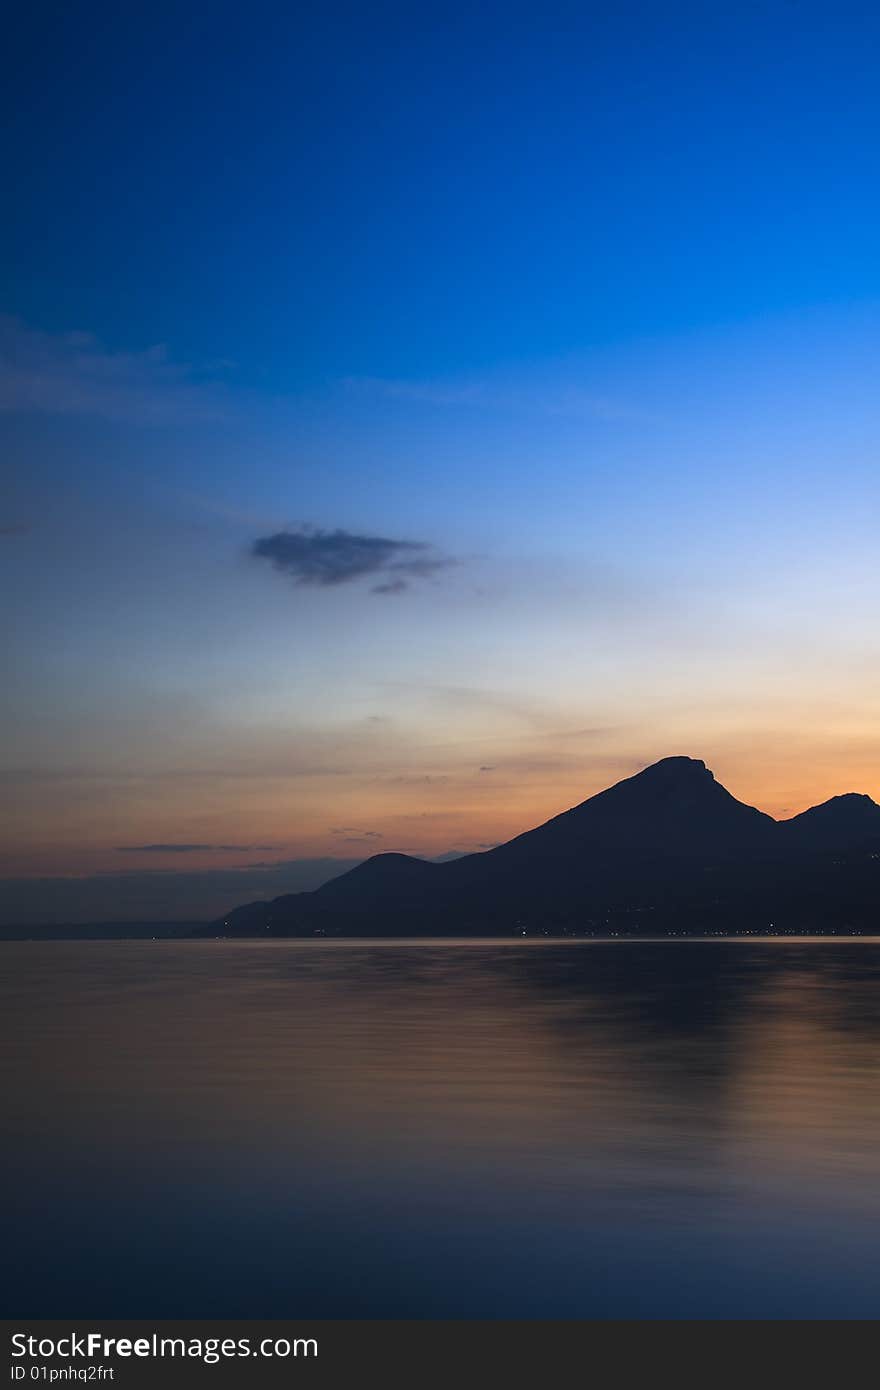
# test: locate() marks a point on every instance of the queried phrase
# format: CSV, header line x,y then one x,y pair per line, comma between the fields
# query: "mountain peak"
x,y
674,805
678,767
844,820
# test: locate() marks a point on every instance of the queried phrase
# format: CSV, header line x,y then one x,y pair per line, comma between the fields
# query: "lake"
x,y
442,1130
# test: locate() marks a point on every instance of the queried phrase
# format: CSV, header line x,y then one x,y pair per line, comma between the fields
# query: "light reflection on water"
x,y
442,1129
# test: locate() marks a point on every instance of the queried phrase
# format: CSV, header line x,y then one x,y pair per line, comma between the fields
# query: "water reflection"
x,y
393,1129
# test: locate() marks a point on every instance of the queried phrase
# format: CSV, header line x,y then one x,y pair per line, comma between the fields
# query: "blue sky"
x,y
583,304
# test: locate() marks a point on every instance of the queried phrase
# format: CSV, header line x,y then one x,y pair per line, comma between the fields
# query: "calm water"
x,y
442,1130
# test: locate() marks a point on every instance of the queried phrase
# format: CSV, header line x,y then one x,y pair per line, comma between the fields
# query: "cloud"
x,y
488,767
564,395
350,835
15,528
327,558
393,586
74,374
193,849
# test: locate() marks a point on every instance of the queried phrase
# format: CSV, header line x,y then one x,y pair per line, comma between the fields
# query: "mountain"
x,y
844,822
675,805
666,849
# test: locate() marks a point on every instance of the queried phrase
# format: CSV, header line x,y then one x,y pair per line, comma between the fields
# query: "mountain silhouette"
x,y
668,849
674,805
846,821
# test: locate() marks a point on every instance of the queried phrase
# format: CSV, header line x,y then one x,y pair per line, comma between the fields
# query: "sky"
x,y
415,419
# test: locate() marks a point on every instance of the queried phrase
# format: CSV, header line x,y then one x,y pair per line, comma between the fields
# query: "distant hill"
x,y
844,822
101,931
666,850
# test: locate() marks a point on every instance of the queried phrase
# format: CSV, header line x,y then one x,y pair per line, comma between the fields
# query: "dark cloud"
x,y
393,586
15,528
193,849
488,767
475,848
327,558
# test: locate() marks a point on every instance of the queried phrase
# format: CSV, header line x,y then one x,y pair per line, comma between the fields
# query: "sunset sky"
x,y
415,420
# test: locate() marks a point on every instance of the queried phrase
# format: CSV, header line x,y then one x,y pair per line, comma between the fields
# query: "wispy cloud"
x,y
350,835
324,559
565,398
15,528
193,849
74,374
